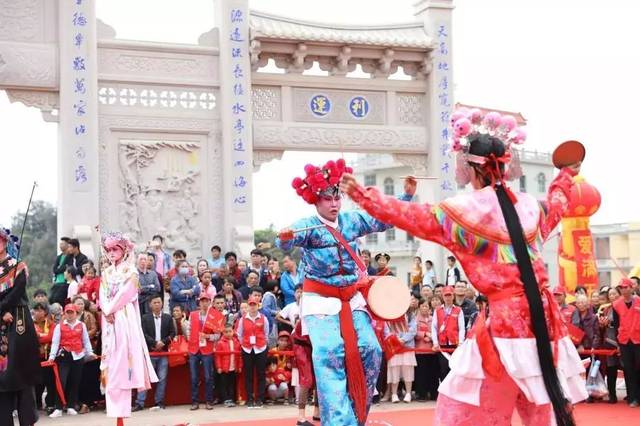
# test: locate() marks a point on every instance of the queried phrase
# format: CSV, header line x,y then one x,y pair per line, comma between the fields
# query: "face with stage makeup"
x,y
115,254
329,204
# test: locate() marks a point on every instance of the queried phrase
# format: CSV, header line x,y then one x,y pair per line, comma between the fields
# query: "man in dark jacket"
x,y
159,330
469,308
58,292
19,351
78,258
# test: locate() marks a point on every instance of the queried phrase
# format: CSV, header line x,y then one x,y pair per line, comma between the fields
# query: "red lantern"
x,y
584,200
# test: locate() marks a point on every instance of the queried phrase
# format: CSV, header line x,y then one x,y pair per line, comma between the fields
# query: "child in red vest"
x,y
253,329
69,348
228,365
278,379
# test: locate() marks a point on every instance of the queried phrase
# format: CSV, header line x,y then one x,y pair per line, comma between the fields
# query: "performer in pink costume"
x,y
125,360
520,357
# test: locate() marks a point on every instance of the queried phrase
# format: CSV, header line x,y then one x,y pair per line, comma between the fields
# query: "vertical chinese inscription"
x,y
80,105
240,98
444,90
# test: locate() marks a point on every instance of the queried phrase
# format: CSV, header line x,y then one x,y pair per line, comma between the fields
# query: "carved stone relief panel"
x,y
410,109
338,138
135,65
21,20
34,65
162,185
177,160
266,103
339,106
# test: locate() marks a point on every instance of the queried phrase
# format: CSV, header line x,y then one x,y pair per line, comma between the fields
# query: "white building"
x,y
386,173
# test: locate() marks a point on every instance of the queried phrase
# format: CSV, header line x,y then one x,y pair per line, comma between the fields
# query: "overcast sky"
x,y
571,67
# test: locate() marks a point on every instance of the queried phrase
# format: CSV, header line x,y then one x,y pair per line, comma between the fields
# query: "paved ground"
x,y
179,415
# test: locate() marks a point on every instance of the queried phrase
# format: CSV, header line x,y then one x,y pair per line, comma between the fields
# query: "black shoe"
x,y
305,423
250,404
376,399
634,404
258,404
590,400
613,400
137,408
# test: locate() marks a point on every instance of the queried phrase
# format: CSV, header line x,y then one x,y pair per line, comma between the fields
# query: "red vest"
x,y
450,333
71,337
253,328
194,335
629,329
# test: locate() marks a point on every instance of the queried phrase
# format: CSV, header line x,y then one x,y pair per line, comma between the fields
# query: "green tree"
x,y
38,242
265,240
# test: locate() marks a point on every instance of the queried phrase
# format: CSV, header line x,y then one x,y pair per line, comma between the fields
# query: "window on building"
x,y
372,239
542,182
523,183
604,278
410,238
390,234
602,248
369,180
388,186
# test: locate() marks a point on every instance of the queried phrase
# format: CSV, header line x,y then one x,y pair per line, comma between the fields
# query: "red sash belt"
x,y
356,383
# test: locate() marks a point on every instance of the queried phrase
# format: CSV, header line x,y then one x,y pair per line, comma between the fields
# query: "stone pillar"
x,y
232,21
436,16
78,122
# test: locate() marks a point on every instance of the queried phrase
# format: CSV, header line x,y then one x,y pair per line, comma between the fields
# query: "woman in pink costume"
x,y
520,357
125,360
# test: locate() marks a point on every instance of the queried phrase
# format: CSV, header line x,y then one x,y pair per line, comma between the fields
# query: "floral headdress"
x,y
320,180
117,239
469,123
12,241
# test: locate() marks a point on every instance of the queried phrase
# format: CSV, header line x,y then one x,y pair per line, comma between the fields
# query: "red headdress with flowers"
x,y
319,180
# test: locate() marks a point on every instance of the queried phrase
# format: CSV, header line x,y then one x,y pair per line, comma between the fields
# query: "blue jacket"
x,y
324,259
178,284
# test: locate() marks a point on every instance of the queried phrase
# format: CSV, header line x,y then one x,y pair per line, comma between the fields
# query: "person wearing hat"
x,y
253,329
70,346
566,309
626,320
19,351
334,312
383,259
494,233
201,352
448,325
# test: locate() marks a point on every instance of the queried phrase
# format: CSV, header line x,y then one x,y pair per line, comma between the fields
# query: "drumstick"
x,y
419,177
308,228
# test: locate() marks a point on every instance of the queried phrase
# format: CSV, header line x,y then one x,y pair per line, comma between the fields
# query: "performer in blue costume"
x,y
346,354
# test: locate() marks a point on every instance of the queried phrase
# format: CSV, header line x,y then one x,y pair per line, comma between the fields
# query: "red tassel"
x,y
356,384
510,194
120,421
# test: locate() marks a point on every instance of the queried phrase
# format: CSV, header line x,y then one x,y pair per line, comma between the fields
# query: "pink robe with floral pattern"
x,y
125,359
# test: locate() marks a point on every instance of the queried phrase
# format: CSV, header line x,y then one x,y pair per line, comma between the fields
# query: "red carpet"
x,y
586,415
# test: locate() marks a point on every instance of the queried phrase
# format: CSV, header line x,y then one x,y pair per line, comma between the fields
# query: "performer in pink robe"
x,y
521,356
125,359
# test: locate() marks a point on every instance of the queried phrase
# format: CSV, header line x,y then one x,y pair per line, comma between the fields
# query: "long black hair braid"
x,y
485,145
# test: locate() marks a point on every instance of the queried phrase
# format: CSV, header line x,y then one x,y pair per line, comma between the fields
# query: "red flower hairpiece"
x,y
319,179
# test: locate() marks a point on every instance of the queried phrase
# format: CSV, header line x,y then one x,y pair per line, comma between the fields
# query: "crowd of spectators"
x,y
248,359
